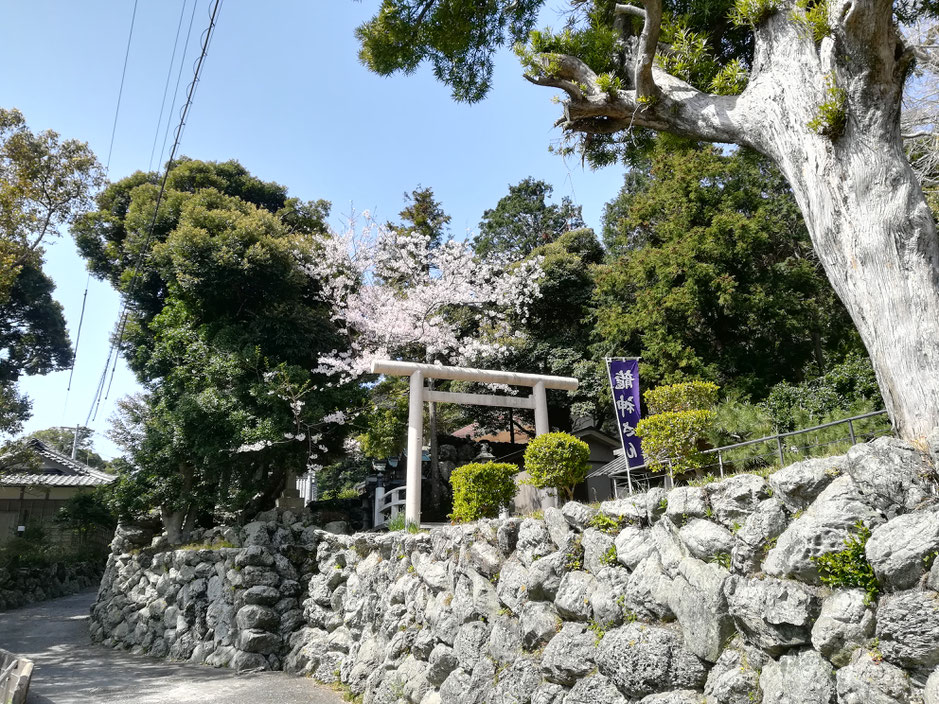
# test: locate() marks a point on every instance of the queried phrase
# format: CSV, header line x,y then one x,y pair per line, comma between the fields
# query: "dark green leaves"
x,y
456,37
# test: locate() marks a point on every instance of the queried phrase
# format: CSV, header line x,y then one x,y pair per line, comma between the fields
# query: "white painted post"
x,y
541,409
412,506
376,513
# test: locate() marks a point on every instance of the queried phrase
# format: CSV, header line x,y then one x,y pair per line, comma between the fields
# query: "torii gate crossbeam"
x,y
419,394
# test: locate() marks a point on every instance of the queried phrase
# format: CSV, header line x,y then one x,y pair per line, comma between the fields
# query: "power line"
x,y
117,111
169,73
122,315
179,75
122,324
120,92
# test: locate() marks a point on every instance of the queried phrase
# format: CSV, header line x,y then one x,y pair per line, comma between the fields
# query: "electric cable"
x,y
206,39
166,85
117,112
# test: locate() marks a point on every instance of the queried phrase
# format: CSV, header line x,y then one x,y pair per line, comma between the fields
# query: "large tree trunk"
x,y
864,208
174,514
862,203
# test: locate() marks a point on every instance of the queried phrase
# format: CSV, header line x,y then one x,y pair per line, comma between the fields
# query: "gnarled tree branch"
x,y
645,51
622,9
679,107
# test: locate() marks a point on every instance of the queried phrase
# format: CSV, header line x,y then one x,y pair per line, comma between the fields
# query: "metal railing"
x,y
767,459
388,504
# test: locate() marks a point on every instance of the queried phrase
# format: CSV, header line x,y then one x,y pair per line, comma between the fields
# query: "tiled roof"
x,y
74,473
52,480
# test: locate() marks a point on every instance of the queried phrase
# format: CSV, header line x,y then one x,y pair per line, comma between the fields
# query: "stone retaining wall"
x,y
15,675
20,586
706,594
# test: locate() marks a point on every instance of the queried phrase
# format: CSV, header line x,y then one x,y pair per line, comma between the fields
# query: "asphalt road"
x,y
69,669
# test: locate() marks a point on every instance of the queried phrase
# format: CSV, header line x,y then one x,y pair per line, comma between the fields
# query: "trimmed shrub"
x,y
670,440
672,436
688,396
557,461
481,489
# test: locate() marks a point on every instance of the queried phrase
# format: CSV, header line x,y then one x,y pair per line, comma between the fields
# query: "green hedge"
x,y
674,436
557,461
481,489
688,396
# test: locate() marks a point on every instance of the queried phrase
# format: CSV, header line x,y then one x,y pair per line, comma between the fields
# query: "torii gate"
x,y
419,394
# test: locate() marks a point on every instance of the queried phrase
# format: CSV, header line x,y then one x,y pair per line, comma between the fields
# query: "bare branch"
x,y
630,10
572,89
678,108
645,52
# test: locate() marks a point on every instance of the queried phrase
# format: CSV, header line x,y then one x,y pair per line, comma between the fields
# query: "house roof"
x,y
58,469
614,466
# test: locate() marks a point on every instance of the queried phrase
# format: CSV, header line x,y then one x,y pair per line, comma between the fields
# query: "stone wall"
x,y
705,594
20,586
15,675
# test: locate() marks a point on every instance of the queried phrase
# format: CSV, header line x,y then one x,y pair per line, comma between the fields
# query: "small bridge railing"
x,y
388,504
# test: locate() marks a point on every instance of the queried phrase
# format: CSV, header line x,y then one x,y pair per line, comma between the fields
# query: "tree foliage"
x,y
680,420
713,276
33,339
457,38
557,461
555,337
481,490
681,397
225,327
45,182
523,220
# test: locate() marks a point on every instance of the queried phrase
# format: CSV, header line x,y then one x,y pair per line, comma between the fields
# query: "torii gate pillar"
x,y
418,395
412,499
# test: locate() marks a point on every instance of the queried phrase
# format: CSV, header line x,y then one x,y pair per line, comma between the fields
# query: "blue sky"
x,y
282,92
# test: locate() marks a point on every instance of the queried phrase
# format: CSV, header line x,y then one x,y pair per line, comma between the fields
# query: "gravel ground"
x,y
69,669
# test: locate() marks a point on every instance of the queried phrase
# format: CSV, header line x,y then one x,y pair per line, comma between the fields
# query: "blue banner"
x,y
624,381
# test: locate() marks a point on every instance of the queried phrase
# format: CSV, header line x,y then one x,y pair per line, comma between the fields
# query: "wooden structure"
x,y
537,401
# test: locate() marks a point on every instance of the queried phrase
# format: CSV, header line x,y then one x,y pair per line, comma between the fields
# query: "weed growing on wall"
x,y
849,567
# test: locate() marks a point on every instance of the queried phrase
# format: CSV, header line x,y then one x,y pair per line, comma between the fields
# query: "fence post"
x,y
851,432
720,463
779,448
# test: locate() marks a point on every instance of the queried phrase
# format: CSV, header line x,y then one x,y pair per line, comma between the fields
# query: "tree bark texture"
x,y
864,208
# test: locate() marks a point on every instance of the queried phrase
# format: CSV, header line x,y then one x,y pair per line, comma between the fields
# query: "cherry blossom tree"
x,y
397,294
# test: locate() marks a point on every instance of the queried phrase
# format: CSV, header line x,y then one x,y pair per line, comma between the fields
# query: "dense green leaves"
x,y
681,418
670,440
523,220
714,276
849,568
33,339
681,397
45,182
557,461
224,333
481,490
457,38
